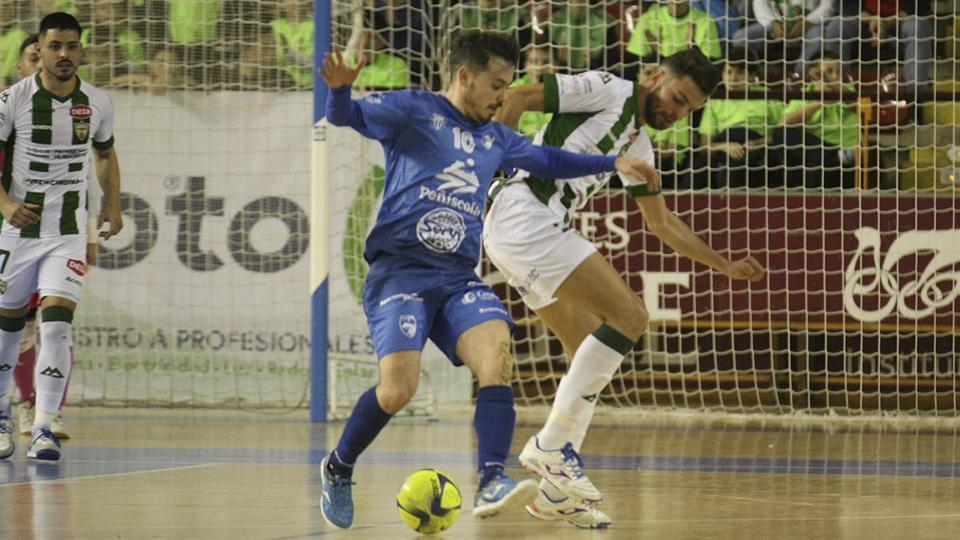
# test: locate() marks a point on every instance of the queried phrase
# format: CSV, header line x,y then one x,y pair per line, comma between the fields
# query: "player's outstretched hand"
x,y
20,214
115,218
641,170
337,73
746,268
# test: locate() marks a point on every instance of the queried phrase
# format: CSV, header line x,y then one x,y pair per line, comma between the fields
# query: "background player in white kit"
x,y
560,275
48,125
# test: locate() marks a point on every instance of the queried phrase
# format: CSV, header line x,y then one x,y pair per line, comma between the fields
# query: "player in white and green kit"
x,y
48,126
560,275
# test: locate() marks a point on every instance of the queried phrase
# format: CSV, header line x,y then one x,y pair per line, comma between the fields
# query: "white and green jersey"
x,y
594,113
47,141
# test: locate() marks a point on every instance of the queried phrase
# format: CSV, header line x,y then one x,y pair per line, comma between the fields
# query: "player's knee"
x,y
498,369
394,398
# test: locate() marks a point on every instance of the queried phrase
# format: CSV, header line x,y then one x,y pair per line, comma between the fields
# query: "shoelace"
x,y
572,460
6,425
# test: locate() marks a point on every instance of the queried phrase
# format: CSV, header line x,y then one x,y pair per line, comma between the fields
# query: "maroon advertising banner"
x,y
858,261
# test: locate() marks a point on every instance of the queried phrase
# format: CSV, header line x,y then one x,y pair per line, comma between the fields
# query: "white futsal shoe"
x,y
561,467
577,513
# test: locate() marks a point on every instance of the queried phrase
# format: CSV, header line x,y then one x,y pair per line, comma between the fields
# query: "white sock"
x,y
53,370
593,365
9,354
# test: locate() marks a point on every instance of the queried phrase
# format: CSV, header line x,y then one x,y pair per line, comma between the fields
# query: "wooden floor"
x,y
187,474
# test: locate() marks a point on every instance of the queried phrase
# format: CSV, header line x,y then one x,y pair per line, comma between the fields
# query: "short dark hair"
x,y
694,64
31,39
60,21
475,48
823,55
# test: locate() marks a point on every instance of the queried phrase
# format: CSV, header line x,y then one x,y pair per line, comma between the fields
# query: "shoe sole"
x,y
518,497
543,517
323,481
45,455
61,435
540,470
13,448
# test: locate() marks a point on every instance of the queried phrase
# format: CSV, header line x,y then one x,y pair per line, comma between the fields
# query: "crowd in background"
x,y
793,69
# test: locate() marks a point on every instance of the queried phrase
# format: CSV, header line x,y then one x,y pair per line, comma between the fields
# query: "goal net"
x,y
845,192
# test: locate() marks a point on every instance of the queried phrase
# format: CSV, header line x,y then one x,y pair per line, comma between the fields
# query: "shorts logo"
x,y
441,230
408,325
468,298
77,266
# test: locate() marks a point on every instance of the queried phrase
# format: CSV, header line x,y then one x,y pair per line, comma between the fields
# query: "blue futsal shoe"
x,y
501,494
45,446
337,503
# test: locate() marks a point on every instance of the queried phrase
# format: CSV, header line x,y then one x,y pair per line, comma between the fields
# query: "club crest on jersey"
x,y
438,121
408,325
81,130
487,141
77,266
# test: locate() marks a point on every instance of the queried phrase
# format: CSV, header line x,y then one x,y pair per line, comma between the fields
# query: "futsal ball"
x,y
429,501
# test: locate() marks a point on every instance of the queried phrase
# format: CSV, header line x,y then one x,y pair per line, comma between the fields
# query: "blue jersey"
x,y
439,165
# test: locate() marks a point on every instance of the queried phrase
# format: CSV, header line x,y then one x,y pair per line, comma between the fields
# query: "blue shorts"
x,y
407,305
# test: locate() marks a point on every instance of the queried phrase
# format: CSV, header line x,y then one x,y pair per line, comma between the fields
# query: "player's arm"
x,y
518,101
672,230
108,173
17,214
550,162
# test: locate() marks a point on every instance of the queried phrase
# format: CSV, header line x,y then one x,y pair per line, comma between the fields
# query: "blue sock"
x,y
494,420
365,423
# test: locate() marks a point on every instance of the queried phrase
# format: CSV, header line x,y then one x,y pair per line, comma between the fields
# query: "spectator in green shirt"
x,y
384,70
293,33
821,138
193,22
582,34
664,29
112,48
497,15
11,36
537,60
736,131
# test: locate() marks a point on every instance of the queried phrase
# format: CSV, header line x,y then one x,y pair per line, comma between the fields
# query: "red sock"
x,y
23,375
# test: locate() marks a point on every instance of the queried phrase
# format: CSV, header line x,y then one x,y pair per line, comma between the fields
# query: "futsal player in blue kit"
x,y
441,154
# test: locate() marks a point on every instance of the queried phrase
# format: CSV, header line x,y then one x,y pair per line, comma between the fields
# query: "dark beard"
x,y
650,113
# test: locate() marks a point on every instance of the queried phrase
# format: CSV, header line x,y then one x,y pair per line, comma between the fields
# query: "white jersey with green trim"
x,y
47,141
594,113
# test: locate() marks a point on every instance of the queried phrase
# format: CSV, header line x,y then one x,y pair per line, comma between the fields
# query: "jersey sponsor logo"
x,y
458,179
441,230
445,198
408,325
81,112
77,266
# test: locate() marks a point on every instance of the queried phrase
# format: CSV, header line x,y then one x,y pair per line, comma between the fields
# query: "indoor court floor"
x,y
137,473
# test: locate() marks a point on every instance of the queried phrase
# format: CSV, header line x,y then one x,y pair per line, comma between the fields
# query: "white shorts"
x,y
530,245
52,266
